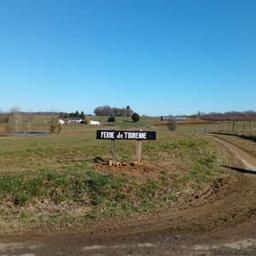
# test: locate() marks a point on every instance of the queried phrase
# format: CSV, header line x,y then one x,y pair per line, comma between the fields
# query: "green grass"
x,y
52,181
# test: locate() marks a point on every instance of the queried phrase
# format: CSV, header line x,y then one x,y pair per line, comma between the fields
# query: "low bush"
x,y
111,119
135,117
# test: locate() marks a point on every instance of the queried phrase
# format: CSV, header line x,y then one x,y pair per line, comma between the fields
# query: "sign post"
x,y
138,150
114,135
114,158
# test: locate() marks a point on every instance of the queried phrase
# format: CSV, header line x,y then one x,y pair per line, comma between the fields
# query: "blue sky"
x,y
160,57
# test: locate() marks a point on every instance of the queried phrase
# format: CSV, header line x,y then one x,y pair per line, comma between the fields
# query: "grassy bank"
x,y
52,181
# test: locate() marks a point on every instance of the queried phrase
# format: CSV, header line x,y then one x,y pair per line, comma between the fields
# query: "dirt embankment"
x,y
224,223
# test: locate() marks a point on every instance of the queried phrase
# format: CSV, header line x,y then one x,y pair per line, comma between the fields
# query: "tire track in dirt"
x,y
246,160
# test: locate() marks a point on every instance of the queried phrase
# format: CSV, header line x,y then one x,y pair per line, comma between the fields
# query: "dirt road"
x,y
218,222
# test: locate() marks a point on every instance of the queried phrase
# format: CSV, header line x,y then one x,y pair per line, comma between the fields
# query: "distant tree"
x,y
116,112
15,117
111,119
230,116
128,111
15,110
109,111
103,111
135,117
4,118
54,125
171,124
82,116
61,115
5,121
77,114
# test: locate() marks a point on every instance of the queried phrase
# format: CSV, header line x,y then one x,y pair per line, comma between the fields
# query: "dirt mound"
x,y
142,171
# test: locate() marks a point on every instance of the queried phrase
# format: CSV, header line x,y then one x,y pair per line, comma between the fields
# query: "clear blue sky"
x,y
160,57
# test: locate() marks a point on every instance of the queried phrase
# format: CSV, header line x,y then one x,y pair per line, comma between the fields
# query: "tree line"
x,y
229,116
113,111
73,115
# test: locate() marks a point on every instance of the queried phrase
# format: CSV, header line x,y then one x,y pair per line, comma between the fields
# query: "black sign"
x,y
125,135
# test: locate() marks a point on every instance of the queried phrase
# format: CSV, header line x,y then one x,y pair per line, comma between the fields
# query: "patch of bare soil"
x,y
215,191
141,171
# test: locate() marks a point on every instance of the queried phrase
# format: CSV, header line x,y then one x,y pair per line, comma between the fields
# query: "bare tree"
x,y
171,124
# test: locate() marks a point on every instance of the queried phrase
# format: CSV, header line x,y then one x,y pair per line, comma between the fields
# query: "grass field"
x,y
52,181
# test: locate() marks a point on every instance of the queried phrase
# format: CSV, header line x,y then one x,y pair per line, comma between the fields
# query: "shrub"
x,y
135,117
51,128
171,124
54,126
84,121
4,119
111,119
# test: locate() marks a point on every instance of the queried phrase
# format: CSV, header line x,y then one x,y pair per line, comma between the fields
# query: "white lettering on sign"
x,y
107,135
120,135
125,135
135,135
